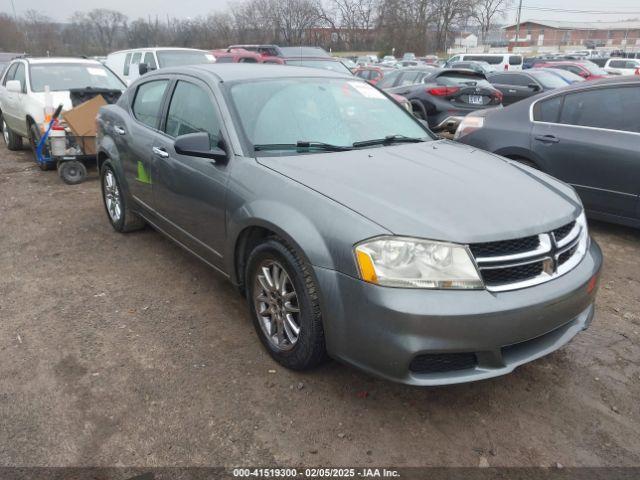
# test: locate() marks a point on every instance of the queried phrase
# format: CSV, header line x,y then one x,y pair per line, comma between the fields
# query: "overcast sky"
x,y
62,9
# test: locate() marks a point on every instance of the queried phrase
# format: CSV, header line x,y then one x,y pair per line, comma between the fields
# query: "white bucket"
x,y
58,142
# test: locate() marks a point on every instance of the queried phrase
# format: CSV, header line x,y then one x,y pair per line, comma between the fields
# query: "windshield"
x,y
177,58
68,76
548,80
594,69
332,65
338,112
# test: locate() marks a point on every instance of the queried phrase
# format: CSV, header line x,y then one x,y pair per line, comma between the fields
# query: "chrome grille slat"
x,y
550,259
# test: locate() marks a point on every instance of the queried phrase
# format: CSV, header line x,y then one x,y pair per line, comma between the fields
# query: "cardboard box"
x,y
82,120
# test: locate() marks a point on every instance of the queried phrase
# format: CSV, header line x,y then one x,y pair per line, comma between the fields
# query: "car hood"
x,y
439,190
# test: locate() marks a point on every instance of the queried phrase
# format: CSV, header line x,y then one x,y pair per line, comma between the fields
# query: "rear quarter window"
x,y
548,110
515,60
148,102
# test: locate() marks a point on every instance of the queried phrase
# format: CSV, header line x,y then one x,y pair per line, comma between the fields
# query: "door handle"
x,y
159,152
547,138
119,130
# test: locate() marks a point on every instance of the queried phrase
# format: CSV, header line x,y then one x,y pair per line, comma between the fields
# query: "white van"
x,y
499,61
128,64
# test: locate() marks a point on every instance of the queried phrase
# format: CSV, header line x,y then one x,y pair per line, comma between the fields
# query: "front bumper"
x,y
381,329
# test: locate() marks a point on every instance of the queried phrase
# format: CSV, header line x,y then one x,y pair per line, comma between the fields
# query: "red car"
x,y
587,70
237,55
371,74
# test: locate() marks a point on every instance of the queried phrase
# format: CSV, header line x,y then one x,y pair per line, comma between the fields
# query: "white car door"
x,y
12,105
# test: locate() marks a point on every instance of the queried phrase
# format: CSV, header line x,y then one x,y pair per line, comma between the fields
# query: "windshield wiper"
x,y
301,145
388,140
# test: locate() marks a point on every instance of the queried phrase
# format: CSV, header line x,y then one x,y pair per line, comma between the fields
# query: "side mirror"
x,y
534,87
14,86
143,68
584,74
198,145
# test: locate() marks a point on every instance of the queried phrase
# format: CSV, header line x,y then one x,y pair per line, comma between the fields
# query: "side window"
x,y
192,111
248,60
521,80
389,80
573,69
616,64
127,61
10,73
548,110
501,79
409,78
148,102
150,60
21,76
515,60
610,108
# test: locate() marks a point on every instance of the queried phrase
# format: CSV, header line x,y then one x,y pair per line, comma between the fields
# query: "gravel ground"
x,y
124,350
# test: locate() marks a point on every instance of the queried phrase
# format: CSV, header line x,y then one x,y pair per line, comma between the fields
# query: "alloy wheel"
x,y
112,196
5,132
276,304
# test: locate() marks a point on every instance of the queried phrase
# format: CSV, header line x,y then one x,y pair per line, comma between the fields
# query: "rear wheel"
x,y
283,300
34,140
11,140
122,219
418,110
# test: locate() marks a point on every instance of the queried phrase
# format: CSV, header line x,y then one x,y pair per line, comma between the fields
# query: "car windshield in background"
x,y
279,114
324,64
594,69
69,76
178,58
548,80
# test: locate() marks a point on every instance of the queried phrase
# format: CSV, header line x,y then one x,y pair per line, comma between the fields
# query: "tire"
x,y
34,139
72,172
11,139
418,110
120,216
277,333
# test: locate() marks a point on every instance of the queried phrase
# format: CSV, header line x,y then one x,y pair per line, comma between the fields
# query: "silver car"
x,y
352,231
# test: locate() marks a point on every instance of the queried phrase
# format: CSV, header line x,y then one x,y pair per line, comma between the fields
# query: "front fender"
x,y
286,222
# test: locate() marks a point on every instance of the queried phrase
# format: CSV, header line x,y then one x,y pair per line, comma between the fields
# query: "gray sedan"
x,y
352,231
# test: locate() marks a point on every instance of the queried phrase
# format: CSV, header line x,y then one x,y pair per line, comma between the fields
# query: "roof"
x,y
231,72
620,25
156,49
44,60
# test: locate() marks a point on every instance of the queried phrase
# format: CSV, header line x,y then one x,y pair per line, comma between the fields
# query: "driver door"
x,y
190,192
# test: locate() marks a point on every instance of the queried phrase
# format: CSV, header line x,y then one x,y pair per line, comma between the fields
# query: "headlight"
x,y
467,125
415,263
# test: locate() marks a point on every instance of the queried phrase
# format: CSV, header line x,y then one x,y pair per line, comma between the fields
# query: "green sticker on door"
x,y
143,175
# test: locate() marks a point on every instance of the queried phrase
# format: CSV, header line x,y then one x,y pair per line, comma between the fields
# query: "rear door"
x,y
190,191
136,138
590,139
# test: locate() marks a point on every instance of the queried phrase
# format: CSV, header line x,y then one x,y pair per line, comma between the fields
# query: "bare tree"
x,y
101,26
486,12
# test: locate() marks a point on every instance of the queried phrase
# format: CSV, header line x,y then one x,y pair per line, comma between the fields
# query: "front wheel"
x,y
283,300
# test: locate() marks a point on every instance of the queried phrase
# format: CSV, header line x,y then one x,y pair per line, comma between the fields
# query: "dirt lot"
x,y
124,350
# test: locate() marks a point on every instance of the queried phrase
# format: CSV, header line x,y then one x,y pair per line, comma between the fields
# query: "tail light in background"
x,y
497,95
467,125
506,66
637,72
442,91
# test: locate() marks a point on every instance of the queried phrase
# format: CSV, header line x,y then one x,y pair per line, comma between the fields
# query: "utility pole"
x,y
518,22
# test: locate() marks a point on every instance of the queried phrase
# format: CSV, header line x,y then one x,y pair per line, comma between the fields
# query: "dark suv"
x,y
442,97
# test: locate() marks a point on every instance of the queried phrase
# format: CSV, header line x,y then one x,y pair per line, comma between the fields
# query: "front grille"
x,y
525,261
500,276
505,247
562,232
566,255
442,362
